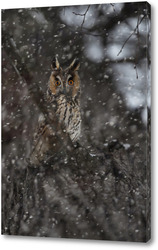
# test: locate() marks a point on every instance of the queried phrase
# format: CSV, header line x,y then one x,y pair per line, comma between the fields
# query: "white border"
x,y
17,242
9,4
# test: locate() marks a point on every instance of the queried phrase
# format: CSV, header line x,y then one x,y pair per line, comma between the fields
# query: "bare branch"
x,y
134,31
135,67
85,31
77,14
84,15
122,60
37,94
113,6
138,45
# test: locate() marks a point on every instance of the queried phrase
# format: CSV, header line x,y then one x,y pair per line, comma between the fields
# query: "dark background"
x,y
112,42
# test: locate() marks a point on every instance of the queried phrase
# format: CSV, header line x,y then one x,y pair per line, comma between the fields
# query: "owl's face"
x,y
65,82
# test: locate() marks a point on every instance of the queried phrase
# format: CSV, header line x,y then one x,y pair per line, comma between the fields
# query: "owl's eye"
x,y
71,82
57,83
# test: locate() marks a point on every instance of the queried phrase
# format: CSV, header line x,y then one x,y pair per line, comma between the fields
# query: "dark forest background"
x,y
104,197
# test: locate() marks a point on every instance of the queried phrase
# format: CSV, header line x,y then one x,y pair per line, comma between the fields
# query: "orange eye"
x,y
71,82
57,83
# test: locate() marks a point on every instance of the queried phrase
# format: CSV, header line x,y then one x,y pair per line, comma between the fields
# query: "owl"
x,y
63,97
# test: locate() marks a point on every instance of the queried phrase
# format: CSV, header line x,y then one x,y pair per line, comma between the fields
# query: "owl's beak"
x,y
64,90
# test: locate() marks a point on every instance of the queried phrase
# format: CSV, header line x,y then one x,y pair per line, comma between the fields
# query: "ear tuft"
x,y
55,64
75,65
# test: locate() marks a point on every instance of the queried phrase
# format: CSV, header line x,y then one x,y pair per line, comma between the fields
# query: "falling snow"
x,y
101,189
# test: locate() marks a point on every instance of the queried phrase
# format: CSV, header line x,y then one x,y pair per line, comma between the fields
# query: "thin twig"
x,y
77,14
136,57
91,34
135,67
85,31
84,16
134,31
113,6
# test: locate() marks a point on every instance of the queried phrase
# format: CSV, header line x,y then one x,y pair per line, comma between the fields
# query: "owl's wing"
x,y
36,152
39,129
43,142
